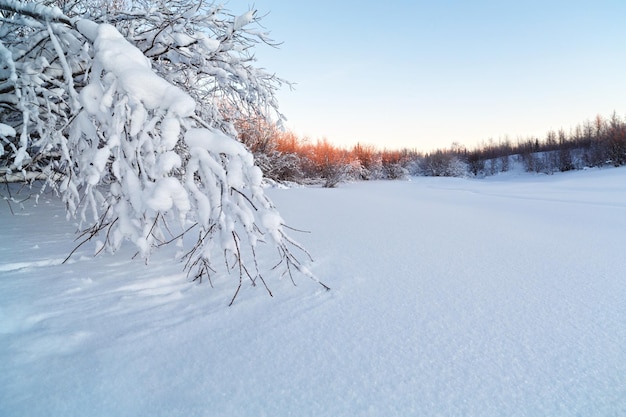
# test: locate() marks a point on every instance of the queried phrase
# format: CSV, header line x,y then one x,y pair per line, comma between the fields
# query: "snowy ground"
x,y
451,297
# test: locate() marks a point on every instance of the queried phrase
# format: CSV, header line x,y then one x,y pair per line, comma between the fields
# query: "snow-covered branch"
x,y
128,125
35,10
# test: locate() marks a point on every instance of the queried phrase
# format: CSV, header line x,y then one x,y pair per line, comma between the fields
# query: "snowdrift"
x,y
502,296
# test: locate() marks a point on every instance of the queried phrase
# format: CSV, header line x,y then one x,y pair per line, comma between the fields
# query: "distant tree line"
x,y
283,156
596,143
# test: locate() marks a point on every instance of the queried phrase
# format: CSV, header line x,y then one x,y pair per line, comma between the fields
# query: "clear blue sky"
x,y
424,74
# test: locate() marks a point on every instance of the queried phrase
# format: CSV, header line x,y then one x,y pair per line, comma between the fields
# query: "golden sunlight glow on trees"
x,y
597,142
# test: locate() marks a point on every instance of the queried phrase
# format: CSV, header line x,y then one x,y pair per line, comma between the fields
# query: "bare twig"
x,y
179,236
245,196
294,229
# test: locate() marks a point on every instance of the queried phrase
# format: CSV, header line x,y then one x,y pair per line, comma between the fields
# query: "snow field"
x,y
492,297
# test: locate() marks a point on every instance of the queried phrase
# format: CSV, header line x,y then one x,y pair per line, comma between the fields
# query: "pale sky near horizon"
x,y
425,74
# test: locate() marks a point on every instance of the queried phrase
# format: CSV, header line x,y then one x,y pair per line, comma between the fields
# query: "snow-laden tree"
x,y
120,110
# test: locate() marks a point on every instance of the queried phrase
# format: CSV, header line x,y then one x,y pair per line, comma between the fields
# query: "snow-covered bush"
x,y
280,167
394,171
441,164
128,129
